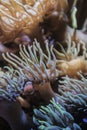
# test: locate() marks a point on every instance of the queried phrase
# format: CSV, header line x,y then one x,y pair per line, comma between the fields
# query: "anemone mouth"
x,y
4,125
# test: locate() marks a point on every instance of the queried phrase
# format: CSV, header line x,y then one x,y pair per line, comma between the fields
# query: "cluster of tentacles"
x,y
54,117
11,83
49,64
73,91
45,84
42,68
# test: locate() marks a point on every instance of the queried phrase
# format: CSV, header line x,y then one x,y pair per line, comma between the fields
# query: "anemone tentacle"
x,y
54,117
73,91
49,64
11,83
35,62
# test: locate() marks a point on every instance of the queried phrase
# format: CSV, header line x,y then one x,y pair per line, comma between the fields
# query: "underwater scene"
x,y
43,64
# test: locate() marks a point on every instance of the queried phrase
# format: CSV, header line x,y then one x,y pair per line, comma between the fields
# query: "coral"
x,y
54,117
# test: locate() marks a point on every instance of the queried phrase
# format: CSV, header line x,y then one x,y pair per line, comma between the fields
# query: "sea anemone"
x,y
72,59
20,21
54,117
12,86
73,92
19,16
36,66
34,62
43,67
